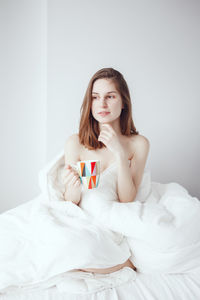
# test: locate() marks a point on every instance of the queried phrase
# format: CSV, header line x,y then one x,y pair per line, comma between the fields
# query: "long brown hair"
x,y
88,127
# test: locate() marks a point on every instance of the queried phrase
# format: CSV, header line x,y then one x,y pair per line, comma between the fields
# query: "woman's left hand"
x,y
110,139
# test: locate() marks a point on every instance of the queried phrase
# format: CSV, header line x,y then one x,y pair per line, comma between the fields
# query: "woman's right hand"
x,y
72,183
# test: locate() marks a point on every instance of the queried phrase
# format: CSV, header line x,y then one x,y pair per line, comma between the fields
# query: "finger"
x,y
77,183
67,167
75,176
109,134
75,172
105,133
107,127
70,170
65,174
74,179
69,177
103,141
67,171
105,138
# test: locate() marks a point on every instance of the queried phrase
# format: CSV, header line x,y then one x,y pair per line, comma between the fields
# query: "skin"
x,y
103,100
118,148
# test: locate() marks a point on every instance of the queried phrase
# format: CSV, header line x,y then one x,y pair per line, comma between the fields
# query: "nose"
x,y
103,102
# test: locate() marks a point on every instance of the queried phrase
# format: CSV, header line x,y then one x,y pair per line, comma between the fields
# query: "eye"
x,y
110,97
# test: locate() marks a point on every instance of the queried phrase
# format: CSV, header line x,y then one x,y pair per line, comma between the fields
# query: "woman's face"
x,y
106,101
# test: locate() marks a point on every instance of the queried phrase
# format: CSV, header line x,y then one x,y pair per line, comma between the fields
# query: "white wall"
x,y
154,44
22,99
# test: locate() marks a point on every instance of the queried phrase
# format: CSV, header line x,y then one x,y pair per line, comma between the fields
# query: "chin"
x,y
103,120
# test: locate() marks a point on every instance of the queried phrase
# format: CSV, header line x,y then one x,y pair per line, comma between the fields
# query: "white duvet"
x,y
44,241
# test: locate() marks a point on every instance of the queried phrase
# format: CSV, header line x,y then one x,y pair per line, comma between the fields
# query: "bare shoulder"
x,y
139,149
139,144
72,149
72,139
140,141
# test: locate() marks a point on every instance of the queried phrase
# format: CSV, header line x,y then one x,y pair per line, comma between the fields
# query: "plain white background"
x,y
50,50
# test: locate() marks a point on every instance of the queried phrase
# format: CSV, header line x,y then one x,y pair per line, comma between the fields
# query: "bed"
x,y
45,242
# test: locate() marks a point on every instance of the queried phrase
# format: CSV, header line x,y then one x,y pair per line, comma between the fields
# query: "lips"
x,y
104,113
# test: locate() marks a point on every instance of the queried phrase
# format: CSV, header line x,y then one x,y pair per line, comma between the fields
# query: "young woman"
x,y
107,133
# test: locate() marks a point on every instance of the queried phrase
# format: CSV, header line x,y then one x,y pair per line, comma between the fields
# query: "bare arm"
x,y
129,179
73,184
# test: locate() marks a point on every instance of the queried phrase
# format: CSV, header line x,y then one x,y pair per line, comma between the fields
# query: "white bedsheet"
x,y
47,238
145,287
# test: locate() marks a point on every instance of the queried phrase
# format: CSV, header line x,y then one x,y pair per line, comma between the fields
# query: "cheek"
x,y
93,107
116,107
